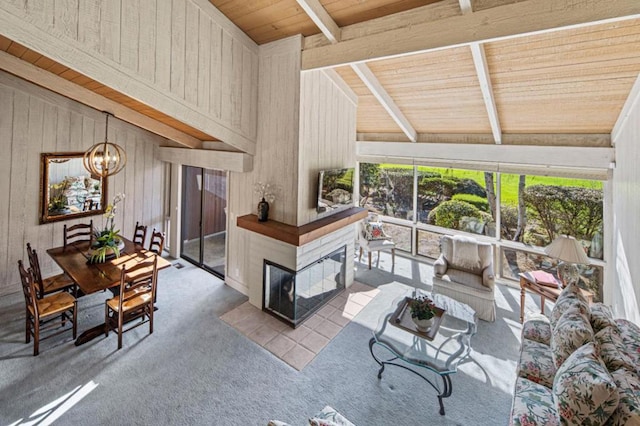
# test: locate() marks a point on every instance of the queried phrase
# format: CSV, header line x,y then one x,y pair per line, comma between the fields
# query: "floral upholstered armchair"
x,y
371,237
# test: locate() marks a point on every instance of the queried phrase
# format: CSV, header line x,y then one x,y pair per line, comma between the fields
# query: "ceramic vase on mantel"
x,y
422,324
263,210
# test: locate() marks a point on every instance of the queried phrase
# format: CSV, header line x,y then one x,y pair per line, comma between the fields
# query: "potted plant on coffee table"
x,y
422,311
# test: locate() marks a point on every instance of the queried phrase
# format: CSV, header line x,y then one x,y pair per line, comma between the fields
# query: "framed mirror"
x,y
67,189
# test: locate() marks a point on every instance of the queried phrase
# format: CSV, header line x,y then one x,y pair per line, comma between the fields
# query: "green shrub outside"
x,y
449,213
479,202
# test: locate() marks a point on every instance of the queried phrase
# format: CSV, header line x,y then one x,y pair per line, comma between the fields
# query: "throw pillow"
x,y
612,349
630,334
572,331
569,298
585,393
601,317
628,411
374,231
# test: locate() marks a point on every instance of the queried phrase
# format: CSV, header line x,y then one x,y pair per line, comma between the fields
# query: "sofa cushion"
x,y
329,417
572,331
533,404
584,391
569,299
536,363
537,328
630,334
611,349
628,411
600,316
467,278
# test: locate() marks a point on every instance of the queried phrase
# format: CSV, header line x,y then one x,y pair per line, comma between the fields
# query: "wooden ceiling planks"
x,y
268,20
437,91
62,71
370,114
574,81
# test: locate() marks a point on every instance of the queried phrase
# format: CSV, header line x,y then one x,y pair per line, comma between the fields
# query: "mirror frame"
x,y
46,159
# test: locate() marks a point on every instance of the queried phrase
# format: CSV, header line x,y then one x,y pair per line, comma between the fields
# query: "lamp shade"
x,y
567,249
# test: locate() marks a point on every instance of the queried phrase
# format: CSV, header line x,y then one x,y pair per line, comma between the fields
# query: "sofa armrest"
x,y
440,266
488,278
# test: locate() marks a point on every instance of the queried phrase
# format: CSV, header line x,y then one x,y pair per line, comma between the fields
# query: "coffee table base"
x,y
447,387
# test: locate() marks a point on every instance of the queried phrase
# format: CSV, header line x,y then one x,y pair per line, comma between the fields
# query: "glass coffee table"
x,y
433,355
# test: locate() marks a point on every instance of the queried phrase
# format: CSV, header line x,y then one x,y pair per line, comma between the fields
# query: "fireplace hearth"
x,y
293,296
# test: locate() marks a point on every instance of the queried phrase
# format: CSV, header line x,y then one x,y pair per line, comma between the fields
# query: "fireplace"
x,y
293,296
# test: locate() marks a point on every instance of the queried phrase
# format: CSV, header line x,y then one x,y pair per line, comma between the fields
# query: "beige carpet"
x,y
297,347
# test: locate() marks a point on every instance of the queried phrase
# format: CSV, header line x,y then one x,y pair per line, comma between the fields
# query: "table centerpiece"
x,y
107,241
422,309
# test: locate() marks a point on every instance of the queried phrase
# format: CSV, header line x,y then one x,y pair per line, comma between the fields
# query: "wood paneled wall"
x,y
276,159
35,120
183,57
622,283
327,136
306,123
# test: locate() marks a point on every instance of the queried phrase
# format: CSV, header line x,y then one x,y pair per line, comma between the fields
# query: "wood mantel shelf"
x,y
301,235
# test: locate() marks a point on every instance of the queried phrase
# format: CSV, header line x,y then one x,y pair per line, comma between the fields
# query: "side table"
x,y
527,282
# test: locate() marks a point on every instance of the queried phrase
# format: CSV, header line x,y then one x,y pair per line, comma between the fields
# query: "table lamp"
x,y
570,253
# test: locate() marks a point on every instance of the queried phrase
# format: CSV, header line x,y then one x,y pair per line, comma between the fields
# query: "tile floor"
x,y
297,347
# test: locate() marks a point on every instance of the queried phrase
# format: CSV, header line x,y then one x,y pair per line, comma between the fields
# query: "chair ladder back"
x,y
28,289
139,279
34,263
80,232
140,234
156,245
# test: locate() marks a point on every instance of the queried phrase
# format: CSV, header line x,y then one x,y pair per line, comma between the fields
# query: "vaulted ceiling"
x,y
447,70
572,81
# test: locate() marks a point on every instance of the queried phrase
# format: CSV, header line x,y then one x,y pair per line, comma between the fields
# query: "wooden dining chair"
x,y
42,312
156,244
135,300
140,234
78,233
51,284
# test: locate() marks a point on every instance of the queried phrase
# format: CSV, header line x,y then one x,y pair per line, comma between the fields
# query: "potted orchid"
x,y
107,240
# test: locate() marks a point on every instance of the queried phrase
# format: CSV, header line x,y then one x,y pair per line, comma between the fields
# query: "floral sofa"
x,y
580,366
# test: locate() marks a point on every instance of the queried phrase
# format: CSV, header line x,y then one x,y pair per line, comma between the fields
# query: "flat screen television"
x,y
335,190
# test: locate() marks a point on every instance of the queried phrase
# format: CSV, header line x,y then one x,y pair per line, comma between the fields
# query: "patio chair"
x,y
371,237
464,272
39,311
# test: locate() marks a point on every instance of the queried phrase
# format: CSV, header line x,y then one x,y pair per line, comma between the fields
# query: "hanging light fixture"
x,y
105,158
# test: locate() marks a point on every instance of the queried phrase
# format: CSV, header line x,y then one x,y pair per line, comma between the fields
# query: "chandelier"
x,y
105,158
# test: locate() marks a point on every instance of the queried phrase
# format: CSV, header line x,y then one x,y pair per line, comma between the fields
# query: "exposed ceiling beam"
x,y
632,100
32,73
498,23
584,140
208,159
321,18
16,26
330,29
543,156
482,71
370,80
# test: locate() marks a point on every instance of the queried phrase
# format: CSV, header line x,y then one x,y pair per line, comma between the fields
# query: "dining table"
x,y
92,277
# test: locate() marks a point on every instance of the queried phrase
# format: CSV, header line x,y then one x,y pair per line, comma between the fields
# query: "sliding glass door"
x,y
204,221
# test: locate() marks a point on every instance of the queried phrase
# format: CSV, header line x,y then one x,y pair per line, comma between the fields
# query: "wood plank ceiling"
x,y
572,81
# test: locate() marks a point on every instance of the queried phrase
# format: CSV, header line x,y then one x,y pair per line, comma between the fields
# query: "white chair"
x,y
464,272
372,238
